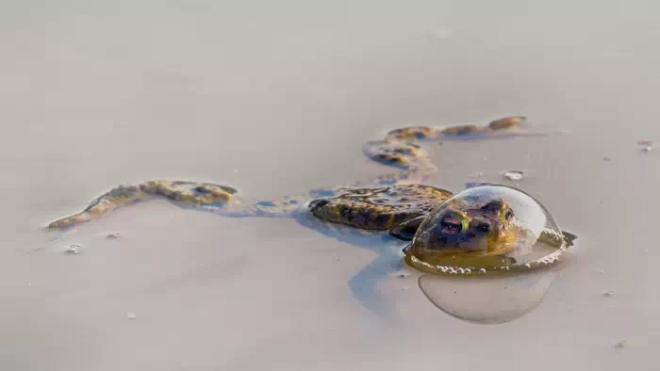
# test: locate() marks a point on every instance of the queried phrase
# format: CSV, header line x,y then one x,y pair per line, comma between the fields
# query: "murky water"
x,y
276,99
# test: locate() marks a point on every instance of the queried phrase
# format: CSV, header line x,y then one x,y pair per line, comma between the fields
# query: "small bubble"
x,y
601,271
514,175
482,270
621,344
645,145
477,174
131,316
73,249
608,293
607,159
112,236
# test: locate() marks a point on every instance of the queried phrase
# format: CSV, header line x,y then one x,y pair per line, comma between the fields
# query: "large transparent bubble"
x,y
489,299
492,241
486,229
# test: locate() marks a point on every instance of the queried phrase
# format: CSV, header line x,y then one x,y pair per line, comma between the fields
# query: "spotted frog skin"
x,y
395,202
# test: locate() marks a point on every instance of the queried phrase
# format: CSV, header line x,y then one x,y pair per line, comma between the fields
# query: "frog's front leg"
x,y
183,193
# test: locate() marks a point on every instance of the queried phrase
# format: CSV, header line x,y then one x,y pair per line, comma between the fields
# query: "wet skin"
x,y
396,202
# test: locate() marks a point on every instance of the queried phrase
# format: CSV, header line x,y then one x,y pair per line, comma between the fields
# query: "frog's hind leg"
x,y
117,197
285,207
413,161
506,127
399,149
182,193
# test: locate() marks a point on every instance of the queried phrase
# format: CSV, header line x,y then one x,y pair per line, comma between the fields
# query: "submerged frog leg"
x,y
214,198
507,124
403,155
120,196
551,238
414,162
396,149
412,134
284,207
399,149
183,193
569,238
406,230
384,207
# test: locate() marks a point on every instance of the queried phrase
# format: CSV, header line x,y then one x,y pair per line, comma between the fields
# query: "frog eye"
x,y
451,225
485,228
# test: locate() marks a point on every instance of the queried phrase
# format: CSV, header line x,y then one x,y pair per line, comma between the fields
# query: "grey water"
x,y
277,99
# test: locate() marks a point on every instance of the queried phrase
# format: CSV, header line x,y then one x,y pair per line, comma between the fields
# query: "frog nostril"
x,y
201,190
484,228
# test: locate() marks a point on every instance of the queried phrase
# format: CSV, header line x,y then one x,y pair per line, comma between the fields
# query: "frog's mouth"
x,y
453,261
475,233
458,232
472,239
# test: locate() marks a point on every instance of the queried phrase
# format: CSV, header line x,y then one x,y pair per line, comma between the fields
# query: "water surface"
x,y
277,99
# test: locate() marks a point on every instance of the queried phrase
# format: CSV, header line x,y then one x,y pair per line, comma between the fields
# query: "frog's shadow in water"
x,y
386,205
364,284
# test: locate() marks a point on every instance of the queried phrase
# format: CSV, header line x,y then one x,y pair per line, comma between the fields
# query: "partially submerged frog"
x,y
476,236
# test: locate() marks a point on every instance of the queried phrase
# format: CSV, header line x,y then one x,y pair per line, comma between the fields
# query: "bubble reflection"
x,y
489,298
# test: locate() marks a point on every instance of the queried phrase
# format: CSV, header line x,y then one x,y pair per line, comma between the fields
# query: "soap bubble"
x,y
486,229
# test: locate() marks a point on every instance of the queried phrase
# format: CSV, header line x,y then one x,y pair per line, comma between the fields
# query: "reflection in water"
x,y
492,252
363,284
494,297
489,300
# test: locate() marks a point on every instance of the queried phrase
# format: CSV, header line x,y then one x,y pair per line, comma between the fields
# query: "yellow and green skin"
x,y
395,202
478,237
187,193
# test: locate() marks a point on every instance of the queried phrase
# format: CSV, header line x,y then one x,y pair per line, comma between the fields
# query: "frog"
x,y
396,203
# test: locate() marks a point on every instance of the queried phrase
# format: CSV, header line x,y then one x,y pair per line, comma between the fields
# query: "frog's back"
x,y
363,208
378,208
